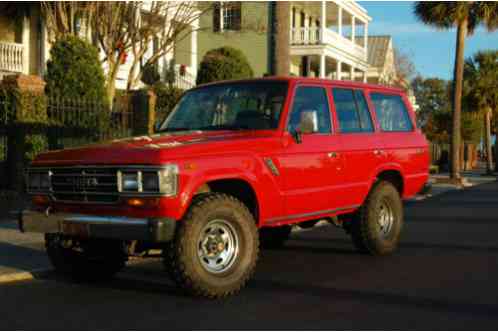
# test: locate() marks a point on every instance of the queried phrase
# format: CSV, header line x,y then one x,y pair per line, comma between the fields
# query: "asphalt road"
x,y
445,276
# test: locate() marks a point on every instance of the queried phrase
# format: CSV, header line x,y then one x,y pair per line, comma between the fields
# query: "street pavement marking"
x,y
24,275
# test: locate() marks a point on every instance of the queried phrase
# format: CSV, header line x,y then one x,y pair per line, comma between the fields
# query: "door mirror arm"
x,y
297,135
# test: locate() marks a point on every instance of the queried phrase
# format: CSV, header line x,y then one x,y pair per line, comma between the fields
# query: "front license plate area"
x,y
75,229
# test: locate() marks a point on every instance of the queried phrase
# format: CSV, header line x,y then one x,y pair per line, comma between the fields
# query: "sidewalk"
x,y
22,256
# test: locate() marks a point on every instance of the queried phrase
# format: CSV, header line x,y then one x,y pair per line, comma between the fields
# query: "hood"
x,y
155,149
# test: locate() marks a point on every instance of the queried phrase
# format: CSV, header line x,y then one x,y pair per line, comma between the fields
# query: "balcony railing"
x,y
313,36
11,57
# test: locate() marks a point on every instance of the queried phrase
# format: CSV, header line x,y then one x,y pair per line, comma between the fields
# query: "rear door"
x,y
311,170
361,144
403,143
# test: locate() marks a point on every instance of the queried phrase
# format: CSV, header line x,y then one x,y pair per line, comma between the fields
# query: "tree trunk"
x,y
280,64
487,141
112,73
456,132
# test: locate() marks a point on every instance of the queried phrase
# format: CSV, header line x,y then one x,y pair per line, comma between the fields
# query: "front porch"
x,y
324,66
329,39
23,47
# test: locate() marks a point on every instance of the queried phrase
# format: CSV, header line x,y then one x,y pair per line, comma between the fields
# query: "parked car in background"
x,y
234,165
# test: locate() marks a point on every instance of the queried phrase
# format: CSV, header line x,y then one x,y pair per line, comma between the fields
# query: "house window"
x,y
227,16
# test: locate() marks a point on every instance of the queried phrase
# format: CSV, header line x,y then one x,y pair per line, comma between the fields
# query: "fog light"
x,y
40,200
142,202
135,202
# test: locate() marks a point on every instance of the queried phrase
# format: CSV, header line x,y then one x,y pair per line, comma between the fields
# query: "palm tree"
x,y
281,38
466,17
481,77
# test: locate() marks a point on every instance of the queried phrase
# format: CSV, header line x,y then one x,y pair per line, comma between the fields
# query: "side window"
x,y
310,99
391,112
352,111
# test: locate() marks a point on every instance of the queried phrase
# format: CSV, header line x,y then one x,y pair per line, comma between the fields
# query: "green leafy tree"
x,y
167,97
466,16
74,70
432,97
481,79
224,63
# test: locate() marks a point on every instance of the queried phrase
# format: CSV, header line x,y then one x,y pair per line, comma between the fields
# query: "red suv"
x,y
234,165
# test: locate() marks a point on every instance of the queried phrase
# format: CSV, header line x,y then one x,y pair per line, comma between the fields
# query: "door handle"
x,y
332,154
378,152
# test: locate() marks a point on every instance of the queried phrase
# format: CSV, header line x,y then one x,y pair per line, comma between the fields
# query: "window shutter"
x,y
237,15
216,17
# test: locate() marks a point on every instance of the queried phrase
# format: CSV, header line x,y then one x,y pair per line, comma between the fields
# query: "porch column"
x,y
339,21
365,40
322,66
193,49
351,73
339,70
44,47
323,23
365,76
25,44
353,28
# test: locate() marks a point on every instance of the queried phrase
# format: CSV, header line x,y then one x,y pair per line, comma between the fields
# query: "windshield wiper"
x,y
175,129
224,127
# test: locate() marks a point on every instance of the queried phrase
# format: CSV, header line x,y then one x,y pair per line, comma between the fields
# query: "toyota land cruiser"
x,y
234,165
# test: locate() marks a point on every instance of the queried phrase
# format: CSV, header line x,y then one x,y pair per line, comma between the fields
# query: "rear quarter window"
x,y
391,112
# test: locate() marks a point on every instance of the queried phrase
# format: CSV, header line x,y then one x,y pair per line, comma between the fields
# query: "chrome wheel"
x,y
385,219
217,246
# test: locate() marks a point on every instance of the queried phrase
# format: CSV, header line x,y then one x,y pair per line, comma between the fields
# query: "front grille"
x,y
81,184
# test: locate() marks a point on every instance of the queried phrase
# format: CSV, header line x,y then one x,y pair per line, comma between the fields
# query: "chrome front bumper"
x,y
106,227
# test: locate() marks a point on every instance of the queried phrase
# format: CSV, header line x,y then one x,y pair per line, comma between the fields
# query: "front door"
x,y
312,168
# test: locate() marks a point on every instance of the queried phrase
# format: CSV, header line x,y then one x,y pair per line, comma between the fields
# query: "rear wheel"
x,y
85,260
216,247
377,226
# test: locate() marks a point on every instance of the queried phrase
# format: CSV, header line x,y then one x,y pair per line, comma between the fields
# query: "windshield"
x,y
232,106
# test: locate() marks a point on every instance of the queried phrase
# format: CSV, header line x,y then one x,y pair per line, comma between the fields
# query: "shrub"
x,y
150,74
225,63
74,70
167,97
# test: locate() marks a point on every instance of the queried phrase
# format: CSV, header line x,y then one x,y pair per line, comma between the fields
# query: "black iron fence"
x,y
68,123
75,122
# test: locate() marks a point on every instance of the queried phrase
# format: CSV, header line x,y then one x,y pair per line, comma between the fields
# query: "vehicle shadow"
x,y
20,258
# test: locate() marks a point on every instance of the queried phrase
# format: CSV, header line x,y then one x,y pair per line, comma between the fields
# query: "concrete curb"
x,y
24,275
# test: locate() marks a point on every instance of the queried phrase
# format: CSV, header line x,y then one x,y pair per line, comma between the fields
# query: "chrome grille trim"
x,y
109,189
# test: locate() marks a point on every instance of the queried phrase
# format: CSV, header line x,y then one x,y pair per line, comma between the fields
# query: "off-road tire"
x,y
274,237
182,260
95,260
365,228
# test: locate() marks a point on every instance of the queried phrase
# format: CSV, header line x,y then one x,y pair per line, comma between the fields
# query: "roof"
x,y
311,80
377,49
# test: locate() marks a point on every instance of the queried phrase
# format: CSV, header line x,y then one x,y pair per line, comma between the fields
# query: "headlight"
x,y
129,181
162,181
38,181
168,180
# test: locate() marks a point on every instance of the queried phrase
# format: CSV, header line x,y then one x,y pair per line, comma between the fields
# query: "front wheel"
x,y
376,227
216,247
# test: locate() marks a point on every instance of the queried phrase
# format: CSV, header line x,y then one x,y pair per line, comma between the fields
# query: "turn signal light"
x,y
40,200
142,202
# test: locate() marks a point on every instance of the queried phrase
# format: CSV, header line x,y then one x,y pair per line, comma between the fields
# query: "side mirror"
x,y
157,126
309,122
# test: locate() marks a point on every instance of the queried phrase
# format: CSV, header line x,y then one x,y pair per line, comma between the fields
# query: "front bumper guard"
x,y
105,227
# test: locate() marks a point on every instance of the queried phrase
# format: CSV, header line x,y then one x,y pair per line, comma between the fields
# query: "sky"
x,y
431,50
